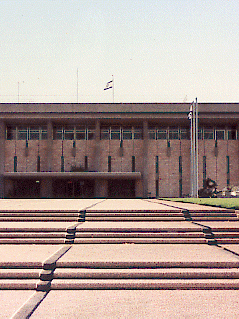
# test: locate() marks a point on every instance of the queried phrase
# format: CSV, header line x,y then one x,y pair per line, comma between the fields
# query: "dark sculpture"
x,y
209,189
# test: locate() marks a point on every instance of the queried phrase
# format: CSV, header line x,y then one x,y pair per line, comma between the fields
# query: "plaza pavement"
x,y
114,264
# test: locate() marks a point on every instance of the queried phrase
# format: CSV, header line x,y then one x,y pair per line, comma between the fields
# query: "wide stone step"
x,y
227,241
16,273
32,241
38,219
140,241
214,218
139,219
18,284
38,214
122,234
133,214
161,273
226,234
32,235
172,284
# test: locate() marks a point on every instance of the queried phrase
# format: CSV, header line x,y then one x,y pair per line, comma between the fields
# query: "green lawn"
x,y
232,203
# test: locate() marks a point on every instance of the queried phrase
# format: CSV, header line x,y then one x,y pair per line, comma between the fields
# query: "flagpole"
x,y
113,89
77,85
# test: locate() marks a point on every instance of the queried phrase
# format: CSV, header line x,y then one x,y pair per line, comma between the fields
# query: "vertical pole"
x,y
196,139
113,89
191,151
77,85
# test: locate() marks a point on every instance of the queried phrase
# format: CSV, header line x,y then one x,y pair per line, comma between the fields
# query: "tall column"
x,y
145,158
2,157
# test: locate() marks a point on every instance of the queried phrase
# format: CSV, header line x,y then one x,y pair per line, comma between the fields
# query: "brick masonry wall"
x,y
168,165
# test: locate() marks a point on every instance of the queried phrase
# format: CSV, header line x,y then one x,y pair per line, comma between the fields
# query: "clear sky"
x,y
157,50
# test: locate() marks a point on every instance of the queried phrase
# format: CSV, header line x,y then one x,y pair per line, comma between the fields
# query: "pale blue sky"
x,y
157,50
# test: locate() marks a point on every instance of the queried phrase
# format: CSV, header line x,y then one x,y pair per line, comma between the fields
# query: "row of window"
x,y
115,133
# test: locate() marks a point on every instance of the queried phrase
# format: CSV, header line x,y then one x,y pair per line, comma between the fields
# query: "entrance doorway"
x,y
26,188
63,188
121,189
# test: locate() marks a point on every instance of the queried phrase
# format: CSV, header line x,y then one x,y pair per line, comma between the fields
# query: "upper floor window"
x,y
208,134
70,132
22,132
119,133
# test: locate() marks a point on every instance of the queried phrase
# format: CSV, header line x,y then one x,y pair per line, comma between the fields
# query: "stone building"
x,y
113,150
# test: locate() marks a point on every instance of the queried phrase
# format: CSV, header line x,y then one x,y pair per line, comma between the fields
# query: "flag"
x,y
109,85
190,114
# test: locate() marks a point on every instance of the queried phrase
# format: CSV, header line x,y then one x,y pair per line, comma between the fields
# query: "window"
x,y
11,133
162,134
105,133
184,134
232,134
80,133
208,134
138,133
109,163
69,133
173,134
219,134
152,134
133,163
43,131
200,133
34,132
90,133
115,133
127,133
22,133
58,133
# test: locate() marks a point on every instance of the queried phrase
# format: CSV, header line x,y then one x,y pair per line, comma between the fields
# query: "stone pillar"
x,y
2,157
96,159
145,158
46,188
101,188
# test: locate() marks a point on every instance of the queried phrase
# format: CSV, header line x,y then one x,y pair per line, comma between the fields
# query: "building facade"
x,y
114,150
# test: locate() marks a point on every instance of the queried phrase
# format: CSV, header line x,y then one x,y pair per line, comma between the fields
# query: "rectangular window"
x,y
152,133
184,134
219,134
156,164
34,132
105,133
43,131
62,164
127,133
11,132
133,163
80,133
157,188
90,133
109,163
208,134
38,164
162,134
180,176
138,133
232,134
115,133
69,133
200,133
15,163
22,133
86,163
58,133
228,170
204,170
173,134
